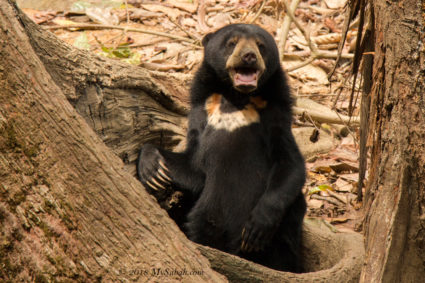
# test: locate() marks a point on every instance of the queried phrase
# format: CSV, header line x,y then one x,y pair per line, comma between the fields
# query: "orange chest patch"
x,y
231,121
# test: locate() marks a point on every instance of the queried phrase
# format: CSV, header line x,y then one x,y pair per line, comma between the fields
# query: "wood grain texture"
x,y
395,199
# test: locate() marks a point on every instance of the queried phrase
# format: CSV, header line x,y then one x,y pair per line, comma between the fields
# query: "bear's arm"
x,y
159,167
284,185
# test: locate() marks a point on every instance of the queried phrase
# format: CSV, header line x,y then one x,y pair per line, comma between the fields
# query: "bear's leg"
x,y
287,255
284,251
202,229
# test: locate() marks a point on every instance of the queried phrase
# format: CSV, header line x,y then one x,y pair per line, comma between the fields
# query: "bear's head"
x,y
242,55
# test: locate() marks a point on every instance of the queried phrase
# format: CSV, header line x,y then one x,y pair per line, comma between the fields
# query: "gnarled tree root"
x,y
328,256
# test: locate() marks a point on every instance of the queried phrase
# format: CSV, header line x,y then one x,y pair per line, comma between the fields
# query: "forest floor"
x,y
165,36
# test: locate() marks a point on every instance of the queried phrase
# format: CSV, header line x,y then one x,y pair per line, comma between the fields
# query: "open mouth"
x,y
245,79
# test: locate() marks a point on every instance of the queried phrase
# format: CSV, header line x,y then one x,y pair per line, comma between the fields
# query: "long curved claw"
x,y
163,176
158,184
243,246
162,164
161,179
153,184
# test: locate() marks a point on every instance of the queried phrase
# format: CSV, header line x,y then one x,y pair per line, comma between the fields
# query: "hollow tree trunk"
x,y
69,207
395,199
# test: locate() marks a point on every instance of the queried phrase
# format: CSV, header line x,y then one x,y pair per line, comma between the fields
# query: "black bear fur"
x,y
245,174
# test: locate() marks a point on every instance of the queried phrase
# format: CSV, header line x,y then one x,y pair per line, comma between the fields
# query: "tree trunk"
x,y
395,199
68,208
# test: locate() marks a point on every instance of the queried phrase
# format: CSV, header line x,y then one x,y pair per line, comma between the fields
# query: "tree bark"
x,y
395,199
70,210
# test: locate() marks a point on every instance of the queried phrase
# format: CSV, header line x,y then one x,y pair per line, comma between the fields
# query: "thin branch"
x,y
335,195
331,55
290,13
322,55
258,12
315,53
331,117
285,28
303,64
328,199
90,26
184,30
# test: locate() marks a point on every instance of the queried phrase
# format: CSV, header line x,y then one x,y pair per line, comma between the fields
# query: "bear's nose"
x,y
249,58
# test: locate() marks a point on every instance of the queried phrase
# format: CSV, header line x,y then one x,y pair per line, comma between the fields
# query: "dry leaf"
x,y
338,220
102,16
345,167
184,5
322,169
342,185
40,17
315,203
219,20
335,4
170,12
307,73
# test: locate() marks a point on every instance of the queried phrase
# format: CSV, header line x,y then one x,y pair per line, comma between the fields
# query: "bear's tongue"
x,y
245,78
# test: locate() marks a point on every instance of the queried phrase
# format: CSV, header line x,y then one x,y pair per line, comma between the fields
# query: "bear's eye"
x,y
232,42
260,45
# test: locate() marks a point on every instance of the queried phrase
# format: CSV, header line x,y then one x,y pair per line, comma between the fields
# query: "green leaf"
x,y
320,188
122,51
325,188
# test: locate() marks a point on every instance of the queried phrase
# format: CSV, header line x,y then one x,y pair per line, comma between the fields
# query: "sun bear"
x,y
241,164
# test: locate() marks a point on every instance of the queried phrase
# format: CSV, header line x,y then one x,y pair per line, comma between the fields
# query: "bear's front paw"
x,y
256,235
152,169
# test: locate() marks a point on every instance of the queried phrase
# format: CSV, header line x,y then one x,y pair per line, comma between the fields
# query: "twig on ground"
x,y
184,30
285,29
95,26
290,13
303,64
258,12
328,199
162,67
315,53
322,55
331,118
335,195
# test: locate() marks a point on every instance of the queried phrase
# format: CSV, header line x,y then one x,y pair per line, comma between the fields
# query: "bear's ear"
x,y
207,38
